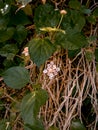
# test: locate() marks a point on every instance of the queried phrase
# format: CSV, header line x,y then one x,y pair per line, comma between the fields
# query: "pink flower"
x,y
25,51
51,70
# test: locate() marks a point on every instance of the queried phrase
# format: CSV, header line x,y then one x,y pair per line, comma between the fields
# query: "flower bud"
x,y
63,12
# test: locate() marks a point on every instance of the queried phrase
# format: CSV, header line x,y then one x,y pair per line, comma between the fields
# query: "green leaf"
x,y
74,20
6,34
46,16
20,34
74,4
3,22
9,51
77,125
92,19
71,40
95,13
16,77
19,18
78,20
36,125
30,107
31,104
40,50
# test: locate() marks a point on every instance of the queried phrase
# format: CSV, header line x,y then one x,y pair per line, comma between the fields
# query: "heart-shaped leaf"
x,y
16,77
40,50
30,107
31,104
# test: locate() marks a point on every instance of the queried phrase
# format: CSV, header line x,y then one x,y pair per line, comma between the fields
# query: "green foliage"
x,y
30,107
12,33
3,22
9,51
44,32
36,125
71,40
38,50
16,77
95,13
92,19
74,19
20,34
18,18
74,4
6,34
46,16
78,20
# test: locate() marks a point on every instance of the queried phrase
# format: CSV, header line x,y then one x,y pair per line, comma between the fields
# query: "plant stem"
x,y
60,21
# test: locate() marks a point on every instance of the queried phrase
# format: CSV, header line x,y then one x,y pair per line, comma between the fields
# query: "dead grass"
x,y
67,91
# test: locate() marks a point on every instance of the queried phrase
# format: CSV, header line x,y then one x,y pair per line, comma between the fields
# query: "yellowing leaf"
x,y
50,29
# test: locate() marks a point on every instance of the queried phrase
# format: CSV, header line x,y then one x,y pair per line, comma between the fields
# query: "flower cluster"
x,y
25,51
51,70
